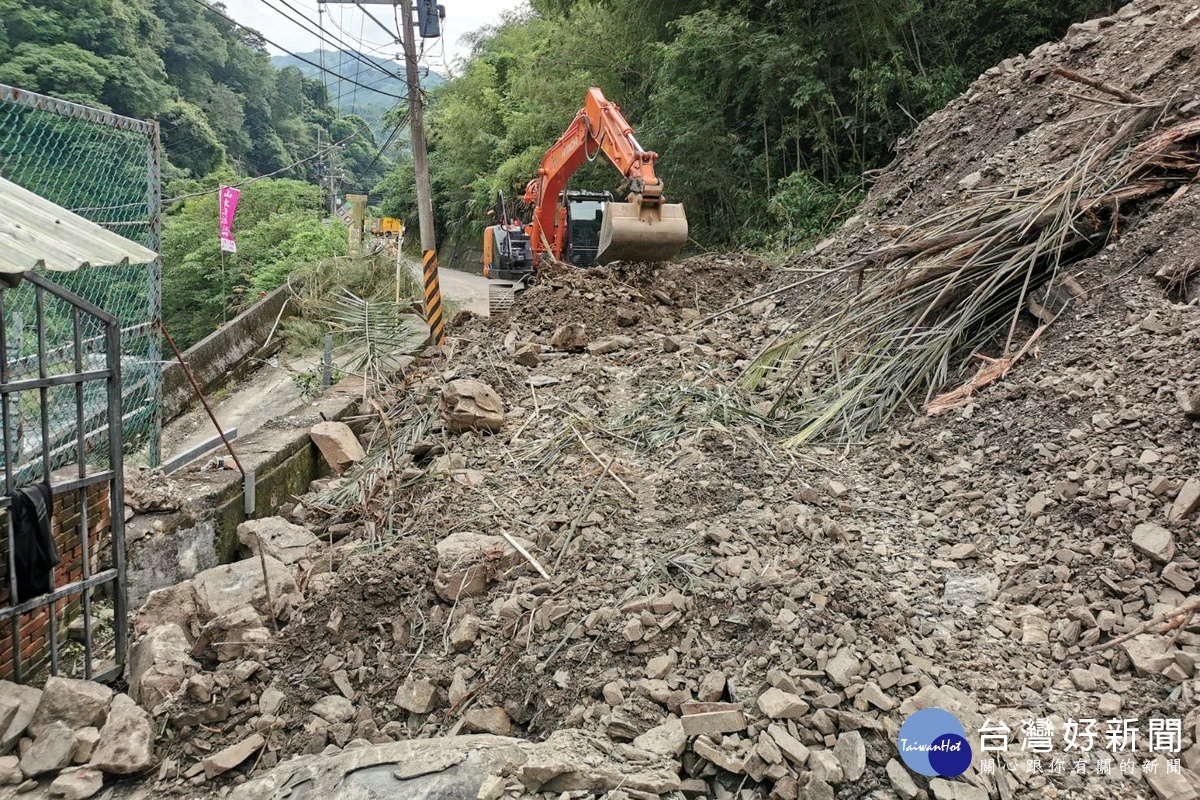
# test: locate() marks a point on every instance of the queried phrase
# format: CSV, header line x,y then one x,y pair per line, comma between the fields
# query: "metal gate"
x,y
72,396
105,168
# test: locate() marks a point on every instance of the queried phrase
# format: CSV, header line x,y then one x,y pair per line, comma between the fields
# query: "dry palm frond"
x,y
374,335
373,483
953,284
681,412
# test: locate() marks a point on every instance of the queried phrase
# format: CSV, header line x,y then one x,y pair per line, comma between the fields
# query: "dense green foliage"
x,y
278,229
212,86
764,114
225,112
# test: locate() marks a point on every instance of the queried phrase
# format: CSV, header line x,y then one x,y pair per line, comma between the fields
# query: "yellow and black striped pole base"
x,y
433,297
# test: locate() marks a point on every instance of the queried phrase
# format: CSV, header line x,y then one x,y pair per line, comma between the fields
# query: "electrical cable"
x,y
382,27
298,19
321,49
282,49
357,72
320,153
395,132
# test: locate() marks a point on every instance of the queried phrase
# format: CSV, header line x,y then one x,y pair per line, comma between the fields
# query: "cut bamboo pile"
x,y
952,286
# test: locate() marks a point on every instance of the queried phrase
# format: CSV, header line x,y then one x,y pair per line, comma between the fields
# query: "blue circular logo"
x,y
933,743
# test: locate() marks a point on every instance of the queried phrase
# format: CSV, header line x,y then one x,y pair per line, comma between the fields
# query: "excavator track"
x,y
501,297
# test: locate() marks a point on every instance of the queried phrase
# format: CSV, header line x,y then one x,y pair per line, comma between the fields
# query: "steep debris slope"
x,y
573,526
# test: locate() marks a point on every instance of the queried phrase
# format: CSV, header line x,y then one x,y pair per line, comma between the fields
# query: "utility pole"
x,y
416,121
430,15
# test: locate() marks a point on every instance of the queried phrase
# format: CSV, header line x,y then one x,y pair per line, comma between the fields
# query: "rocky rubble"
x,y
588,568
68,736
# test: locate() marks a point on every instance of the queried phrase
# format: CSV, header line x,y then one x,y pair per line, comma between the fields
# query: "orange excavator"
x,y
581,227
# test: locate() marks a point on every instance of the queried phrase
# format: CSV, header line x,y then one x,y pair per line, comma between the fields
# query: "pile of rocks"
x,y
588,543
69,735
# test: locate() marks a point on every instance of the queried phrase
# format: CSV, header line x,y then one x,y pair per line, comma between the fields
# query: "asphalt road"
x,y
465,289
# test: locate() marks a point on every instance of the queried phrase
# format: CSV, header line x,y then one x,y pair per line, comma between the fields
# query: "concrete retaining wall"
x,y
462,254
165,549
216,358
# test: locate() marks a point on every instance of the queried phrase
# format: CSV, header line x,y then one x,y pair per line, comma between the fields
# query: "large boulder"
x,y
290,543
337,444
51,751
470,405
461,766
17,705
230,586
126,745
236,635
77,783
159,663
571,337
175,604
573,760
74,703
468,562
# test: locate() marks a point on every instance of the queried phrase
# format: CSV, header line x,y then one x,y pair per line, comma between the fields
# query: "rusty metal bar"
x,y
39,294
203,400
82,494
154,242
116,487
10,537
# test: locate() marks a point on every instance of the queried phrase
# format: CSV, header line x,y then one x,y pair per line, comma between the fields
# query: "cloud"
x,y
346,23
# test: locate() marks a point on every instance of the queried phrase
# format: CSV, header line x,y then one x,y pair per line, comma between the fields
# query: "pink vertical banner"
x,y
228,201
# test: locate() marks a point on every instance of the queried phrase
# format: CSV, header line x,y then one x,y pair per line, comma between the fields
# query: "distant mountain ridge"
x,y
344,94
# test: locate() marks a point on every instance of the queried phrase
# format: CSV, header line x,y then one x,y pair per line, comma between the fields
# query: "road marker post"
x,y
433,297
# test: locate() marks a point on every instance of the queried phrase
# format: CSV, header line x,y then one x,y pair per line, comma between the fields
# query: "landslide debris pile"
x,y
958,281
576,536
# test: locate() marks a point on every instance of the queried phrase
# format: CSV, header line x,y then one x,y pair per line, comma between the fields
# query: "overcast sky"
x,y
462,16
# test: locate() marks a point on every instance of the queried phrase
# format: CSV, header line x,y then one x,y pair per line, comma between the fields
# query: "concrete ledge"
x,y
215,359
166,549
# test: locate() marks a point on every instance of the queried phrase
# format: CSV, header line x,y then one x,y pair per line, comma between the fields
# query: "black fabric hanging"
x,y
34,550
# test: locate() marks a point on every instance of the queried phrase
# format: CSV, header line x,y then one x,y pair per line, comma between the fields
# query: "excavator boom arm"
x,y
600,127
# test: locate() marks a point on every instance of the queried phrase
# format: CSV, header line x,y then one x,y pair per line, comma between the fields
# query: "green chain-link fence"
x,y
105,168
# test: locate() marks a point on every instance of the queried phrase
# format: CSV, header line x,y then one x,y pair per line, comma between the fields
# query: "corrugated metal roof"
x,y
35,233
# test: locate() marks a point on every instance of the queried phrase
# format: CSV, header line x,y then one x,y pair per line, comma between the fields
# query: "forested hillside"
x,y
211,85
766,115
346,94
227,114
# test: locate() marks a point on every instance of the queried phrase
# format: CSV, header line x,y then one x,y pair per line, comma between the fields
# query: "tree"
x,y
189,140
764,114
277,228
64,70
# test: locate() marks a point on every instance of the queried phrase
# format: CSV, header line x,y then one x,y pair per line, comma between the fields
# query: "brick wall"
x,y
35,626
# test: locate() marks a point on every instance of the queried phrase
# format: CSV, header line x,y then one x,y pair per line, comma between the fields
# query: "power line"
x,y
382,27
305,24
320,153
234,22
388,143
341,54
357,72
321,51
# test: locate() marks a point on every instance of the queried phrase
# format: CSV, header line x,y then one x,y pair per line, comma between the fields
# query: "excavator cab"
x,y
585,219
507,255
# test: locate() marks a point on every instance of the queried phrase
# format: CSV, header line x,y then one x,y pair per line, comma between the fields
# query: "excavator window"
x,y
584,230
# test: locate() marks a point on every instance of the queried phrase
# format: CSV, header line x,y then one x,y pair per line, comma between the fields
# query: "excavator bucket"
x,y
633,232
